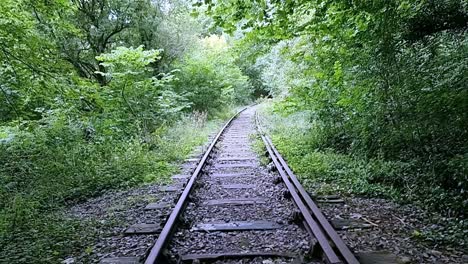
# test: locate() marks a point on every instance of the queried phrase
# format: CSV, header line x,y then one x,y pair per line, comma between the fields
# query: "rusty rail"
x,y
314,218
156,253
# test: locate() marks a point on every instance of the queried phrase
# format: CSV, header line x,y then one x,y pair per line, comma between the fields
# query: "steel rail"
x,y
328,251
323,230
344,251
156,253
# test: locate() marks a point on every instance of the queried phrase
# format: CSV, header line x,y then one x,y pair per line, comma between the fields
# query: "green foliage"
x,y
208,71
327,172
54,165
383,81
82,111
133,92
100,26
125,63
27,64
376,89
247,50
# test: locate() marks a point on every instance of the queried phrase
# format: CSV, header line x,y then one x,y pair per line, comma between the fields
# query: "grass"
x,y
325,171
46,170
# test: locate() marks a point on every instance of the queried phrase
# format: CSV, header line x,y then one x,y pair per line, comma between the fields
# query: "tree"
x,y
30,63
134,94
209,71
382,79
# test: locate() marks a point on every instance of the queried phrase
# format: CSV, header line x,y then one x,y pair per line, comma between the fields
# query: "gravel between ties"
x,y
236,143
109,215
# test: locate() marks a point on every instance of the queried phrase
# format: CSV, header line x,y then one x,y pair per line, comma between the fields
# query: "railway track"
x,y
233,210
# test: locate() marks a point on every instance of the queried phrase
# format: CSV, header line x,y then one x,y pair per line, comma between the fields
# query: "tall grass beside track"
x,y
49,168
327,171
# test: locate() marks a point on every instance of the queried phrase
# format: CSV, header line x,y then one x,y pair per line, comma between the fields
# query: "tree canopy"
x,y
106,94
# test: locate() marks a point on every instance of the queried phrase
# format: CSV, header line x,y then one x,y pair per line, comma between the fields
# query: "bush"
x,y
209,78
414,180
384,83
134,94
54,164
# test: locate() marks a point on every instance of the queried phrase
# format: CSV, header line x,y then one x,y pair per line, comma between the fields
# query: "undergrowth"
x,y
45,170
326,171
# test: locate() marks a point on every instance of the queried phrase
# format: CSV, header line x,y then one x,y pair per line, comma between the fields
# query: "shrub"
x,y
209,78
436,184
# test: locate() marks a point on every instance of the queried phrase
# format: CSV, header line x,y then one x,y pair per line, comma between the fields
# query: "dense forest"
x,y
364,98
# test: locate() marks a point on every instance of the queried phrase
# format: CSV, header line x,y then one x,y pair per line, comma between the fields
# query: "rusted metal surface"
x,y
120,260
237,201
156,253
244,165
379,257
228,175
235,159
333,252
336,201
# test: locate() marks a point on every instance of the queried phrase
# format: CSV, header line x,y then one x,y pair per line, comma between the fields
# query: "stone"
x,y
172,188
238,186
344,224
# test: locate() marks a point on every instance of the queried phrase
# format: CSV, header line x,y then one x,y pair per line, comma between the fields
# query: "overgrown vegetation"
x,y
328,172
383,83
99,95
51,166
106,94
209,71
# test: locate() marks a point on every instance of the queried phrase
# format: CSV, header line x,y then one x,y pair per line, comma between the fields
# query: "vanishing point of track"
x,y
233,210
